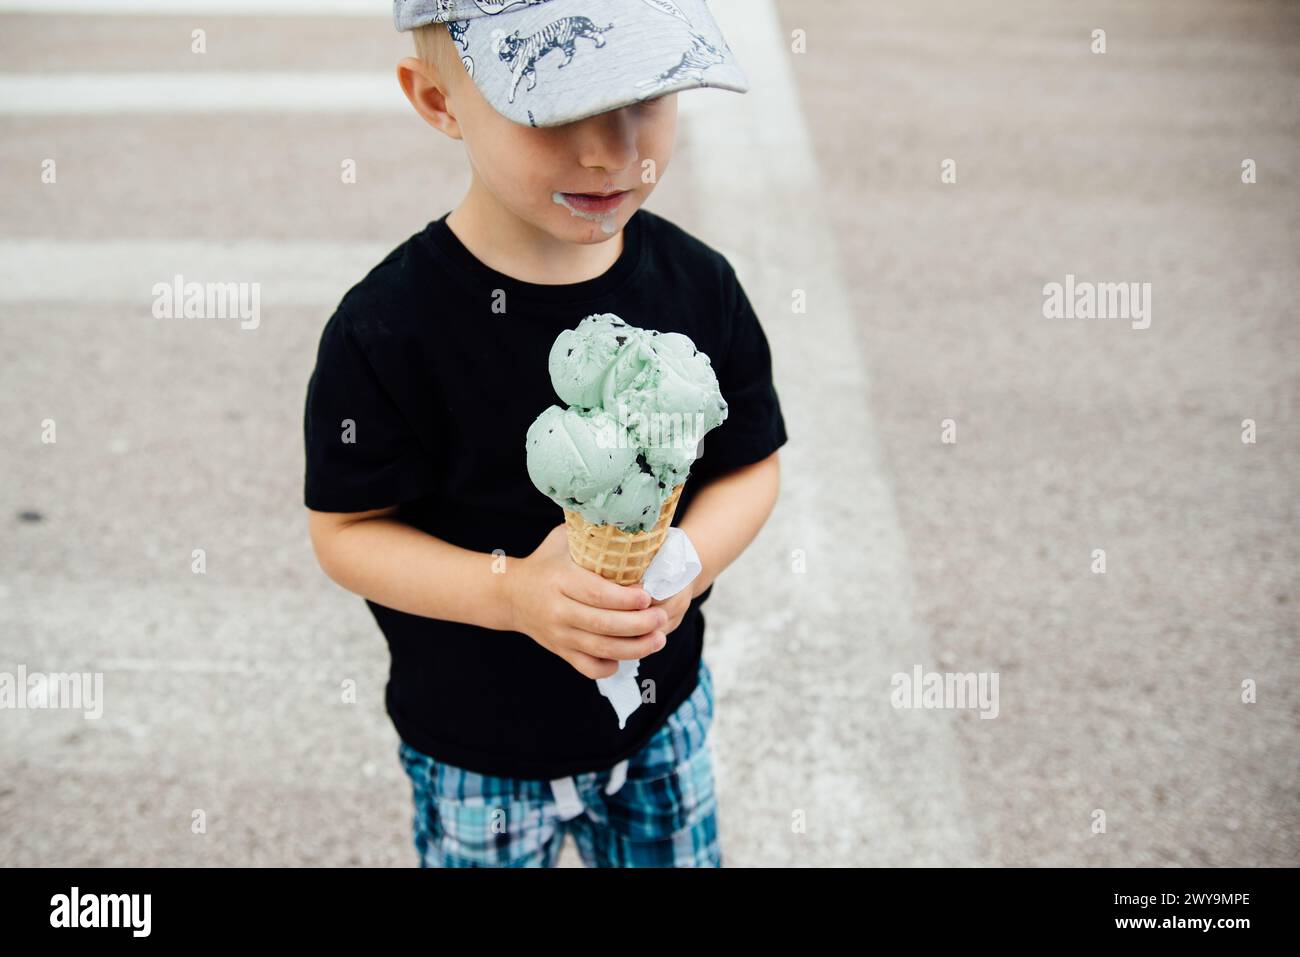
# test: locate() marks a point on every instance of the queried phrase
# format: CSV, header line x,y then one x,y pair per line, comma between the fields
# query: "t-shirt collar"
x,y
460,261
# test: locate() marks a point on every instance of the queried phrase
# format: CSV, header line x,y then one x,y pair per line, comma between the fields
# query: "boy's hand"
x,y
676,606
587,620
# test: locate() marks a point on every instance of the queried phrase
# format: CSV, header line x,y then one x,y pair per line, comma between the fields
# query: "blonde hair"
x,y
437,51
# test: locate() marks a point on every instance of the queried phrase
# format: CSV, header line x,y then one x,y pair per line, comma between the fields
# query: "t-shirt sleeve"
x,y
362,452
754,427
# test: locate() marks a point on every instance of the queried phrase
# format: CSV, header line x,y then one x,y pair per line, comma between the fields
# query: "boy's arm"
x,y
396,565
727,513
381,558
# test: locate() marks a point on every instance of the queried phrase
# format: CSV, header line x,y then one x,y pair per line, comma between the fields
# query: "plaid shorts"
x,y
656,809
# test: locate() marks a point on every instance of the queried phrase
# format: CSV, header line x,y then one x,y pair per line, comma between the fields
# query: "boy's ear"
x,y
421,85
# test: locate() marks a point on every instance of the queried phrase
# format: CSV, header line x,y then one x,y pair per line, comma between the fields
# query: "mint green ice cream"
x,y
639,401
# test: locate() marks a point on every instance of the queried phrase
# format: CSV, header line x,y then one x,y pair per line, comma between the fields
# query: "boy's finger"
x,y
598,665
590,589
617,624
642,646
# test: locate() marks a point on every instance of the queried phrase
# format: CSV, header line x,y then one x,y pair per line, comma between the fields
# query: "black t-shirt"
x,y
440,384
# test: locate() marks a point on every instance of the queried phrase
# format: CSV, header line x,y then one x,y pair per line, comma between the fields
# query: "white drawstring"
x,y
617,777
566,797
565,790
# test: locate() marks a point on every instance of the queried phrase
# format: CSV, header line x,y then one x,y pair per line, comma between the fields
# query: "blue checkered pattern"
x,y
663,815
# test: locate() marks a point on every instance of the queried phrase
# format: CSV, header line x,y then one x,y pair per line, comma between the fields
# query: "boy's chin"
x,y
580,226
583,229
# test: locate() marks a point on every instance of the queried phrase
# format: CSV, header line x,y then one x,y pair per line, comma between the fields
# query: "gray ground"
x,y
1120,692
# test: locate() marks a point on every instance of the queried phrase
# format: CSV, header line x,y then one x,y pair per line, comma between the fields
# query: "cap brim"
x,y
557,62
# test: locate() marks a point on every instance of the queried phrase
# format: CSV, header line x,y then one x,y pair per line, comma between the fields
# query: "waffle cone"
x,y
613,553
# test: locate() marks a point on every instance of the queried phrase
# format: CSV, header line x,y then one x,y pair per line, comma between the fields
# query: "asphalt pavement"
x,y
895,192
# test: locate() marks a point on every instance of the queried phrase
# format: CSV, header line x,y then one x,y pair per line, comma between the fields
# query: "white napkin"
x,y
673,568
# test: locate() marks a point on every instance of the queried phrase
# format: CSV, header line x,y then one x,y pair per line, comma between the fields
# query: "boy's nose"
x,y
609,140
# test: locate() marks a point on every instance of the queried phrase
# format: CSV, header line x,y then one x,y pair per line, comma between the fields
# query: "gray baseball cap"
x,y
548,62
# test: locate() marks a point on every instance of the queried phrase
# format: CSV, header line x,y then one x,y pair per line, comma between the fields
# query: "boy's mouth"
x,y
596,202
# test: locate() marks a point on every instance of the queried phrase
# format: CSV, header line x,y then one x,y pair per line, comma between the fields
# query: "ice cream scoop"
x,y
640,403
576,455
634,502
675,399
601,352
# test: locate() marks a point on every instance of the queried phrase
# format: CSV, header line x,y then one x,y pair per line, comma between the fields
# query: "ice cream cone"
x,y
612,553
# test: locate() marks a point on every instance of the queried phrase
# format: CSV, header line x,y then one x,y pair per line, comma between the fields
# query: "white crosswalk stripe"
x,y
124,271
95,93
757,175
261,8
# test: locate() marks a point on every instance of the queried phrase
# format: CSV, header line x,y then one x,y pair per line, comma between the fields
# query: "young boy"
x,y
427,377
